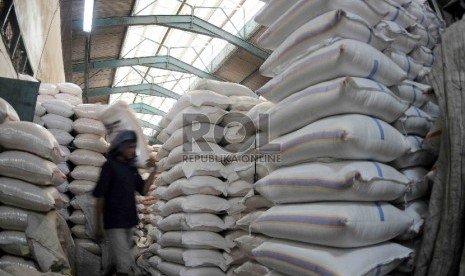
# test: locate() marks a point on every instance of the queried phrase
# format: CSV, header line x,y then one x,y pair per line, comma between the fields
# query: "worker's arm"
x,y
99,205
151,164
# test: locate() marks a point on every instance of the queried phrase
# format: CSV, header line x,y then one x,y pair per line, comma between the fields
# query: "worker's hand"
x,y
151,163
99,235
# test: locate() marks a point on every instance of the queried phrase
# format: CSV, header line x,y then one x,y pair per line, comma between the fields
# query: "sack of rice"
x,y
392,11
337,224
192,222
404,41
224,88
91,126
87,157
58,122
7,112
29,137
207,185
416,210
194,240
69,88
419,185
195,204
91,111
14,243
15,192
62,137
91,142
172,269
414,122
48,89
250,268
89,173
59,107
416,156
193,257
40,110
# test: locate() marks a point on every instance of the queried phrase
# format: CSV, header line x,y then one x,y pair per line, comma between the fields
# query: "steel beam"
x,y
146,89
150,125
147,109
161,62
187,23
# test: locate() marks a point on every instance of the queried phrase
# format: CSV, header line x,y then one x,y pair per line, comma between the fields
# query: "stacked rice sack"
x,y
31,230
87,157
330,125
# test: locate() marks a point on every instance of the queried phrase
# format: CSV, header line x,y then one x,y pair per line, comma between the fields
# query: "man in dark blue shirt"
x,y
115,193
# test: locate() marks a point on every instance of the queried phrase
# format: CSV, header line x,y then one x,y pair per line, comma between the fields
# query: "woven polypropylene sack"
x,y
251,268
40,110
355,137
333,24
243,103
7,112
91,126
337,181
191,114
63,137
91,142
192,222
392,12
195,204
88,245
404,41
89,173
411,92
416,210
30,168
87,157
69,88
423,55
413,69
15,243
15,192
44,98
13,261
283,256
12,218
414,122
29,137
247,243
58,122
72,99
419,185
91,111
271,11
416,156
209,133
172,269
239,188
77,217
48,89
194,240
224,88
337,224
305,11
339,96
343,57
195,185
59,107
193,257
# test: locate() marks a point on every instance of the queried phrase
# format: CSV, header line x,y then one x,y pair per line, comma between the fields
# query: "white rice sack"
x,y
188,152
30,168
58,122
15,243
419,185
272,11
7,112
355,137
224,88
192,222
162,153
44,98
195,204
337,181
91,111
342,58
63,137
89,173
335,224
416,210
328,26
195,185
79,187
197,98
202,114
243,103
21,194
245,222
12,218
247,243
255,113
412,92
91,142
30,137
87,157
306,11
40,110
393,12
254,201
283,256
73,100
339,96
251,268
416,156
425,38
172,269
432,109
66,151
119,117
78,217
89,126
214,134
239,188
37,120
233,259
69,88
63,167
190,169
193,257
59,107
63,188
164,122
48,89
404,41
194,240
414,122
413,69
7,261
79,231
88,245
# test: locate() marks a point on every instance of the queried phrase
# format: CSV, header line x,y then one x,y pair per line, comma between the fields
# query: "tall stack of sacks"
x,y
194,189
31,230
330,127
87,157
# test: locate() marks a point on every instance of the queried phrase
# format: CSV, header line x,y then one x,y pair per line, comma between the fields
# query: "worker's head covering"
x,y
121,142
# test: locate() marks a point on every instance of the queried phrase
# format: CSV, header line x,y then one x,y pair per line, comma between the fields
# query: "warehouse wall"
x,y
40,25
6,67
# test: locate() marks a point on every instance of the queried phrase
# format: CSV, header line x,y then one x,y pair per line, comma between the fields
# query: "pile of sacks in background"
x,y
33,237
350,147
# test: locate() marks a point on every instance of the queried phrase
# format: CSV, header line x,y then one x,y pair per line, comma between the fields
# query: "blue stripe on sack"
x,y
380,127
417,140
303,219
380,211
378,270
371,37
313,136
381,86
418,111
374,69
432,61
343,185
397,14
294,261
378,169
414,94
409,68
